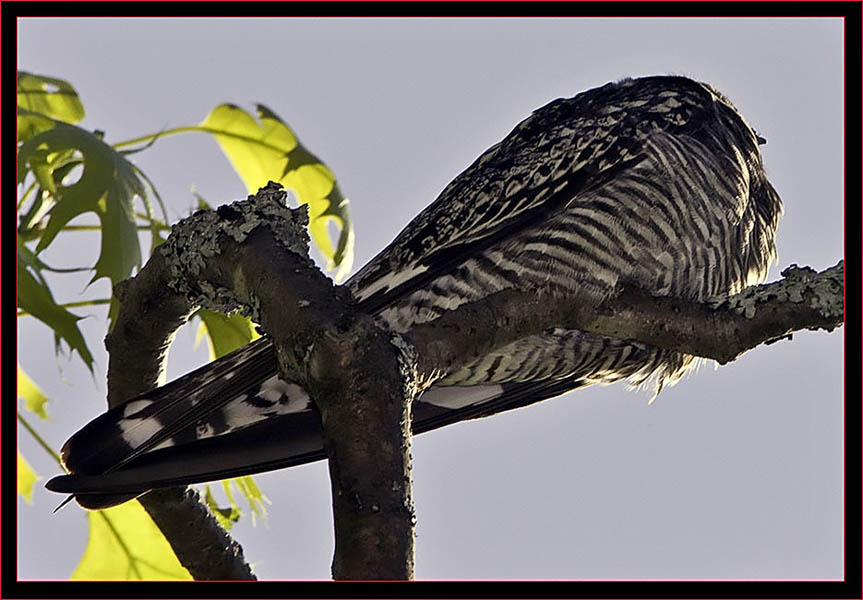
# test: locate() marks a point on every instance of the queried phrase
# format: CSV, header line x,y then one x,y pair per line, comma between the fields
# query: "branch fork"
x,y
253,256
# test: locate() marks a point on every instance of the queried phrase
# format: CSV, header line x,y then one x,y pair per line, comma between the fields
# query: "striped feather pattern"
x,y
655,181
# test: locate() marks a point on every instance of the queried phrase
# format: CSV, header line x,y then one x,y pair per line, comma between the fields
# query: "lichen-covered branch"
x,y
361,378
149,315
253,256
721,329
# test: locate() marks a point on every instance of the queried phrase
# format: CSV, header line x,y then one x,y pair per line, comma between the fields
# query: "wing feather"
x,y
235,417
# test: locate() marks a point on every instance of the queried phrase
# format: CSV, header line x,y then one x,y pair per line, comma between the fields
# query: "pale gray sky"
x,y
734,473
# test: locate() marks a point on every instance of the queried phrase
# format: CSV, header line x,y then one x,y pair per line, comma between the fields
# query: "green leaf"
x,y
55,98
34,400
202,204
266,150
107,187
27,478
225,333
38,163
35,298
225,516
250,490
156,235
125,544
31,123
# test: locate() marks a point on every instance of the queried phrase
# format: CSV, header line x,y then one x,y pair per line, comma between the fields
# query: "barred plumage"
x,y
655,181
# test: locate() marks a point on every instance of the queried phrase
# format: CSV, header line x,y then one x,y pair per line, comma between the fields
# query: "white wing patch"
x,y
287,397
136,432
282,398
204,430
388,281
298,400
238,414
459,396
166,444
135,406
274,388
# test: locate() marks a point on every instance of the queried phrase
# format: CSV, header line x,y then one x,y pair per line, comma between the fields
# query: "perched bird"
x,y
656,182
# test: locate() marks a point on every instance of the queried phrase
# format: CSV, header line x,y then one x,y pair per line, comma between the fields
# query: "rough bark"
x,y
721,329
148,317
363,379
361,383
223,260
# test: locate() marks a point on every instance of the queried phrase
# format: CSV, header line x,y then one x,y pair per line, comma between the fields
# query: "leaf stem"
x,y
151,219
155,224
78,304
39,439
152,136
27,193
202,129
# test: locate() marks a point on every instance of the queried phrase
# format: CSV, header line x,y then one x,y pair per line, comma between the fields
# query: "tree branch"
x,y
721,329
148,317
363,378
223,260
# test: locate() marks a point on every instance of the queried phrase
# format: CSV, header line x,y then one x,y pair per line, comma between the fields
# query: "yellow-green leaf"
x,y
34,400
224,333
266,149
253,495
225,516
107,187
249,489
125,544
52,97
26,479
32,123
35,298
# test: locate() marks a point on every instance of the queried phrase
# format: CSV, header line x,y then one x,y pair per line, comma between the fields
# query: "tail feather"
x,y
277,443
107,469
185,411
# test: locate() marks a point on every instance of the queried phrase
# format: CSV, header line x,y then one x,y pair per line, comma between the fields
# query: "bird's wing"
x,y
276,443
233,416
563,149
